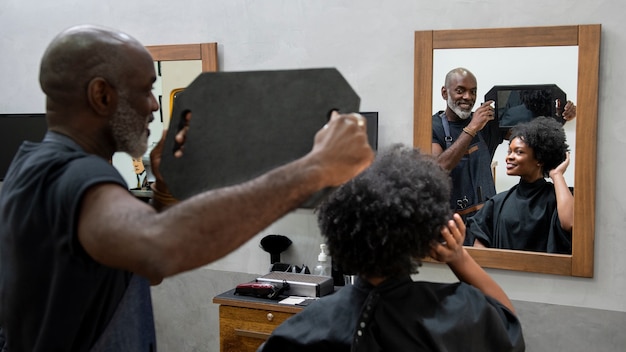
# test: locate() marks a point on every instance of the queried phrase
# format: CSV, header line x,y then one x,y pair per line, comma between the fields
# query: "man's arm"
x,y
119,231
450,158
463,265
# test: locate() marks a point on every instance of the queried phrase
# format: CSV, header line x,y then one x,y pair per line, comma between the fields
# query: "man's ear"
x,y
102,97
444,93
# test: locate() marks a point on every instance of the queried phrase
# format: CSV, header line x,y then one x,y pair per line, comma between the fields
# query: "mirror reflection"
x,y
512,218
533,215
520,103
512,66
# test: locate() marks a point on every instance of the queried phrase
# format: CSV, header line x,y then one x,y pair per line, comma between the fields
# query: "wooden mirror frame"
x,y
206,52
587,38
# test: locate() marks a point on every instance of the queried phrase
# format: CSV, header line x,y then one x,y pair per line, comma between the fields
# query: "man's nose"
x,y
155,103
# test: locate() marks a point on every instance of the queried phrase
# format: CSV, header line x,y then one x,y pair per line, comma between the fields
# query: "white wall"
x,y
371,43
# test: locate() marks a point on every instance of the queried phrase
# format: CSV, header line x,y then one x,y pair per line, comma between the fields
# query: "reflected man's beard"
x,y
129,129
462,114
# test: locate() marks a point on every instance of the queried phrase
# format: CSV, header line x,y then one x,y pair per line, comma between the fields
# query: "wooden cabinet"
x,y
245,322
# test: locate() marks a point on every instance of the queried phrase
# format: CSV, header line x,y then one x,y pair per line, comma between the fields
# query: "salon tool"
x,y
262,289
275,245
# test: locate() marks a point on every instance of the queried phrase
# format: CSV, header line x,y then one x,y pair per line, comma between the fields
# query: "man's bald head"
x,y
455,73
81,53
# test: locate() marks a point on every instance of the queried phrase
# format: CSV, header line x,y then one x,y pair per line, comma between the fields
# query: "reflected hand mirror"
x,y
430,48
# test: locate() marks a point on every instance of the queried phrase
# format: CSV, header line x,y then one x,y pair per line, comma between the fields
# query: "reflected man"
x,y
464,142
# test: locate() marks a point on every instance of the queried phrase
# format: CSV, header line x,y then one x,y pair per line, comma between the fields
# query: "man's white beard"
x,y
462,114
128,129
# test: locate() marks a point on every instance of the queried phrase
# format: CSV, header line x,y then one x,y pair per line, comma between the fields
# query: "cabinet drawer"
x,y
244,329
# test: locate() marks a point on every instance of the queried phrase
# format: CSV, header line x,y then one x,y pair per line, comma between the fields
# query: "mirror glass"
x,y
583,91
512,66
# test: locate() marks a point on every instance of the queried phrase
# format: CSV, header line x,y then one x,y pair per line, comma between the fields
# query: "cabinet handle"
x,y
270,316
252,334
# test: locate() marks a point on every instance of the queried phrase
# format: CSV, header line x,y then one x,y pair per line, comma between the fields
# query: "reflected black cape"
x,y
401,315
522,218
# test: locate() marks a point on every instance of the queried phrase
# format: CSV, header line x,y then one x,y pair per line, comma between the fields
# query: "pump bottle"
x,y
323,267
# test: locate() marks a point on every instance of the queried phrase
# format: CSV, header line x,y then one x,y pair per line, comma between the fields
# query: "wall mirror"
x,y
584,38
176,66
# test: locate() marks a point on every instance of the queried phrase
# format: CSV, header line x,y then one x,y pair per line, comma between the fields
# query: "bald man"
x,y
77,251
464,142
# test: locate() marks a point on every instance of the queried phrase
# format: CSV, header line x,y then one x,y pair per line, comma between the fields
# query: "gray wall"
x,y
186,320
371,43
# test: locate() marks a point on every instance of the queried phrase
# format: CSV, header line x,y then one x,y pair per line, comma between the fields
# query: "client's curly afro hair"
x,y
546,137
382,222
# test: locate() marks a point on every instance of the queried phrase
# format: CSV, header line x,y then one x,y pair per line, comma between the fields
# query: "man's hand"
x,y
569,111
161,194
155,161
157,151
482,116
341,148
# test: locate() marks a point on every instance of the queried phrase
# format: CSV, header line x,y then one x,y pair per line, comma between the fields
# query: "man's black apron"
x,y
132,326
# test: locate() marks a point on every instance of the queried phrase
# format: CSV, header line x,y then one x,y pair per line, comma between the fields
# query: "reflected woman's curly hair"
x,y
546,137
382,222
538,101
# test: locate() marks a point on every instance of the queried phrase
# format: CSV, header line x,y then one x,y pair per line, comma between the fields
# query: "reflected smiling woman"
x,y
534,215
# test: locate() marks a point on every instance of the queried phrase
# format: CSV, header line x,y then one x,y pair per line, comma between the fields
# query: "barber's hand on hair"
x,y
341,148
482,116
450,248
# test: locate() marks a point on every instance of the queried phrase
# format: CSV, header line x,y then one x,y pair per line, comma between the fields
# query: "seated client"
x,y
534,215
379,226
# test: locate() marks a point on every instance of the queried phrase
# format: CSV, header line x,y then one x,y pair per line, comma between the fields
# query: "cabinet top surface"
x,y
229,298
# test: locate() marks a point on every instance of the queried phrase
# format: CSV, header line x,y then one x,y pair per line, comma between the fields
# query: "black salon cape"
x,y
400,315
522,218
